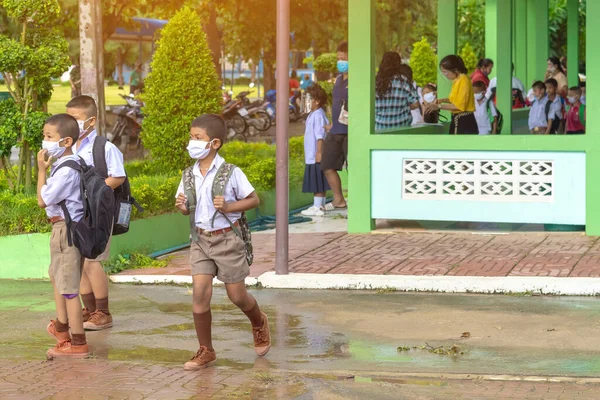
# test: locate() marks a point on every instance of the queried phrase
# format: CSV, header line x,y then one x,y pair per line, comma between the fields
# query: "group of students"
x,y
212,192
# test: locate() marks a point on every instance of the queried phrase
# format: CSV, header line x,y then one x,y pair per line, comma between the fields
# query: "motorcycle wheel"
x,y
263,121
117,132
239,137
293,116
238,124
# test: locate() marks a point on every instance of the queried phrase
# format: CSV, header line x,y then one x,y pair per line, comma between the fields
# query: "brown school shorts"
x,y
66,262
335,152
223,256
104,256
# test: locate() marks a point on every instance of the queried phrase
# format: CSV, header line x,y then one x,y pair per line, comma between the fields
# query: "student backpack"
x,y
555,121
91,234
491,117
582,114
123,198
222,177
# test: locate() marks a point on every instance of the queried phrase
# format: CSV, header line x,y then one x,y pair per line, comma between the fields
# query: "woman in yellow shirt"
x,y
461,102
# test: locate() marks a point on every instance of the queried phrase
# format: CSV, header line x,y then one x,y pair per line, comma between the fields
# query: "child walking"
x,y
60,135
217,248
314,178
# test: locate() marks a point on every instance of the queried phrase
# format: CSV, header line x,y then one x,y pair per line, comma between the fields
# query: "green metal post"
x,y
593,122
520,39
539,40
447,39
498,26
361,27
573,41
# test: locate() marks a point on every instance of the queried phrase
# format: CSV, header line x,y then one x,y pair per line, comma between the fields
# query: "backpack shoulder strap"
x,y
189,189
99,155
63,204
548,105
218,189
68,164
582,114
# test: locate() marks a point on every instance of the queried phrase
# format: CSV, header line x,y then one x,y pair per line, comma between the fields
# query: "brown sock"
x,y
78,339
255,316
102,305
60,327
203,324
89,301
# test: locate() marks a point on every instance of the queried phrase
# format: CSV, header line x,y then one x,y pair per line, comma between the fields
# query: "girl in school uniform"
x,y
314,179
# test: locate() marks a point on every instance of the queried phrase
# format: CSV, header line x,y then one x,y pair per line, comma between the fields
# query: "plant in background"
x,y
183,85
423,62
326,63
29,61
469,57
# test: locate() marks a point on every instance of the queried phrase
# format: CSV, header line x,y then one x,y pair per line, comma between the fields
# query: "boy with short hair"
x,y
555,103
217,247
485,111
94,282
576,115
539,121
62,188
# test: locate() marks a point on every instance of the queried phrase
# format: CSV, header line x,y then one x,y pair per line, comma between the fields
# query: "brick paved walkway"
x,y
516,254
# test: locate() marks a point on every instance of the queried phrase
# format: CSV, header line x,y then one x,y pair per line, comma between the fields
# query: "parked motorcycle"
x,y
129,123
257,118
293,108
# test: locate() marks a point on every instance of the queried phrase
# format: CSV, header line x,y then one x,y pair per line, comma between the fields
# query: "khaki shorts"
x,y
106,255
223,256
66,262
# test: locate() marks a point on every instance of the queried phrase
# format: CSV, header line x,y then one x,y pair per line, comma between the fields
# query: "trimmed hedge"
x,y
155,191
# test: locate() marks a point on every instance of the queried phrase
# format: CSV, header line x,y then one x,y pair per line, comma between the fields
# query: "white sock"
x,y
317,202
323,201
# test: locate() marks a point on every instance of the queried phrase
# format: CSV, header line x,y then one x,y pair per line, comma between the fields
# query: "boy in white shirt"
x,y
485,110
62,188
94,282
539,121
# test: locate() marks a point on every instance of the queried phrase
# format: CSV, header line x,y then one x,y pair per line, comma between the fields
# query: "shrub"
x,y
183,84
327,63
469,57
423,62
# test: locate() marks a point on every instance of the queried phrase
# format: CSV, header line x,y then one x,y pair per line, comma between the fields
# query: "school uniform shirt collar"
x,y
216,163
88,140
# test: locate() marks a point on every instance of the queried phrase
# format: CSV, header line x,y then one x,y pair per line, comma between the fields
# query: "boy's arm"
x,y
43,166
495,126
181,200
114,164
250,202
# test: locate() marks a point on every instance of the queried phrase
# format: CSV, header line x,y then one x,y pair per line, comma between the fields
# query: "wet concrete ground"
x,y
327,345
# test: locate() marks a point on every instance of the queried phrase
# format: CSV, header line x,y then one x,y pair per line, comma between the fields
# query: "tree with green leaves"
x,y
183,85
423,62
470,59
28,62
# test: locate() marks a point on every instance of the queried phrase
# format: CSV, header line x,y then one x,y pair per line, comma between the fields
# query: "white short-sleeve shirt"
x,y
238,188
63,185
481,116
537,113
114,157
315,131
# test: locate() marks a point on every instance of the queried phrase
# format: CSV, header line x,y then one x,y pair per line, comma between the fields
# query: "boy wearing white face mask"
x,y
486,114
60,134
217,248
94,282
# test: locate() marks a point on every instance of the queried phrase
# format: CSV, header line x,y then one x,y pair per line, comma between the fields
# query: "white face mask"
x,y
82,125
53,148
582,99
478,96
198,149
429,97
572,99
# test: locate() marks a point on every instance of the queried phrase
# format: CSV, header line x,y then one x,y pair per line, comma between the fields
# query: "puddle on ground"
x,y
149,354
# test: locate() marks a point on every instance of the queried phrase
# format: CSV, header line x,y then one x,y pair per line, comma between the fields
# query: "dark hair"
x,y
85,103
577,90
316,92
431,87
406,72
453,63
539,85
556,61
294,74
66,126
389,69
214,125
307,76
552,82
343,47
484,62
479,84
582,84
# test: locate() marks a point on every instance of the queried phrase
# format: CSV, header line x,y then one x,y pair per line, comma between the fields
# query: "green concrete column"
x,y
539,40
573,41
520,40
498,26
593,121
361,97
447,39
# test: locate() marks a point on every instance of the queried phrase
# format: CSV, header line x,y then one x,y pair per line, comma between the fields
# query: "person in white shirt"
x,y
94,282
516,84
482,106
539,121
556,104
62,188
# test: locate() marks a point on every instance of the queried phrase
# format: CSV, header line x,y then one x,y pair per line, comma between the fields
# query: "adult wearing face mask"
x,y
556,71
335,147
483,71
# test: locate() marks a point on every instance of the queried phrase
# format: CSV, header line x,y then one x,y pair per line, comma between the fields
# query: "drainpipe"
x,y
282,181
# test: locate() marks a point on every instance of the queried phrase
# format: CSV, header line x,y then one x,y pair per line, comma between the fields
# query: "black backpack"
x,y
489,112
91,234
123,199
555,121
